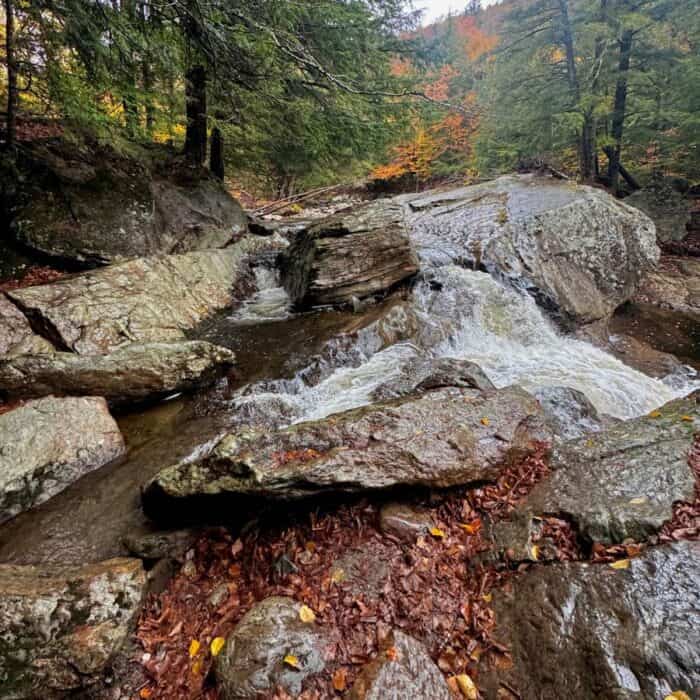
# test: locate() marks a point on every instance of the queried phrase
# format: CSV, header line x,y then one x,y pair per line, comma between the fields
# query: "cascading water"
x,y
467,315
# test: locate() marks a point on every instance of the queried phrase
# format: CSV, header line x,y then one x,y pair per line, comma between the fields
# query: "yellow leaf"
x,y
485,421
638,501
535,552
687,419
620,564
471,528
677,695
194,648
217,644
291,660
466,687
487,597
306,614
197,667
337,576
655,414
437,532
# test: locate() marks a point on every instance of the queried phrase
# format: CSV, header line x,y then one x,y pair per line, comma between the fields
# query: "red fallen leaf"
x,y
392,653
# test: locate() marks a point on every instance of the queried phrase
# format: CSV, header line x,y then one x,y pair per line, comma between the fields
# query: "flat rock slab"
x,y
355,254
134,372
145,300
576,248
675,286
61,627
402,669
252,661
16,335
438,439
584,631
47,444
623,482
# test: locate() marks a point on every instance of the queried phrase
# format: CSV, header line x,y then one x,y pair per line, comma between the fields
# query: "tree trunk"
x,y
587,148
619,110
12,92
196,97
148,89
216,153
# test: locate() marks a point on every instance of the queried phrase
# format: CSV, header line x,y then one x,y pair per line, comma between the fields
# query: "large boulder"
x,y
577,249
438,439
622,482
355,254
252,662
133,372
146,300
402,669
665,206
91,206
49,443
16,335
60,627
584,631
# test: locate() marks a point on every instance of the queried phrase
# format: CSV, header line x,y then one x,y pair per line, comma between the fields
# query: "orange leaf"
x,y
472,527
340,678
392,653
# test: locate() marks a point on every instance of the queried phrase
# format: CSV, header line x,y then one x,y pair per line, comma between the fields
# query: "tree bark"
x,y
619,110
216,153
196,97
12,92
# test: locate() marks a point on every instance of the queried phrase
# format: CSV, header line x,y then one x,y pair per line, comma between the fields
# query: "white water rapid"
x,y
461,314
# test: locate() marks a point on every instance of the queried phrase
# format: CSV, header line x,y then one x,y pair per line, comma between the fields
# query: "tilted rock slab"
x,y
348,255
133,372
60,627
16,335
145,300
408,672
439,439
584,631
47,444
252,661
622,482
576,248
674,286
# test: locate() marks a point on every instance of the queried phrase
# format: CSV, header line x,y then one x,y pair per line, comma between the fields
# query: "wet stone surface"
x,y
253,660
590,631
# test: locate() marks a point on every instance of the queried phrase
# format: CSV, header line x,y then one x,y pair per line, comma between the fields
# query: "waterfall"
x,y
467,315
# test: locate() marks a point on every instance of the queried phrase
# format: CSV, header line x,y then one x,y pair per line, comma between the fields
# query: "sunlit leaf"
x,y
337,576
472,527
292,661
485,421
535,552
466,687
145,693
197,667
620,564
437,532
677,695
687,419
655,414
306,614
217,644
194,648
392,653
487,597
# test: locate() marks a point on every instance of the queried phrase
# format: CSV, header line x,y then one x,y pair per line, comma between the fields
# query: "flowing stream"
x,y
301,367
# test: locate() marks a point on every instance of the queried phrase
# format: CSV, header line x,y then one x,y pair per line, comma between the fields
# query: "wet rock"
x,y
569,413
146,300
172,544
425,375
61,627
588,631
675,286
354,254
404,521
92,207
16,335
252,661
622,482
131,373
47,444
401,670
575,248
665,206
439,439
